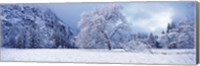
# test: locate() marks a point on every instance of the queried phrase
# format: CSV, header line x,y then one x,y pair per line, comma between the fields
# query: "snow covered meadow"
x,y
99,56
140,33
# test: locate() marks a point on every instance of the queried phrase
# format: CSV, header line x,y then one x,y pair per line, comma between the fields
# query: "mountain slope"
x,y
28,26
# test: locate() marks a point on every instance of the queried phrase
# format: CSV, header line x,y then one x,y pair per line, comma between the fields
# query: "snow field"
x,y
99,56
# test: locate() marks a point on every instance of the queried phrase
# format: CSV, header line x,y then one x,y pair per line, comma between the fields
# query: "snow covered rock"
x,y
29,26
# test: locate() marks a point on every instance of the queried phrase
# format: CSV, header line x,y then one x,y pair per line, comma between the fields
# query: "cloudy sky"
x,y
154,17
143,17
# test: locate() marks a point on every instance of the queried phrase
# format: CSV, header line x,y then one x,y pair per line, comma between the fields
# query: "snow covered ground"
x,y
100,56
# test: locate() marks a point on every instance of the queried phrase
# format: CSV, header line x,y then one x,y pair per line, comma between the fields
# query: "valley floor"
x,y
187,56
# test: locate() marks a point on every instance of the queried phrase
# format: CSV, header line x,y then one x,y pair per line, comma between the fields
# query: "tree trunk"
x,y
113,33
109,46
107,40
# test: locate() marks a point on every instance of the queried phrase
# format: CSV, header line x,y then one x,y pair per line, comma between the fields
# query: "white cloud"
x,y
148,17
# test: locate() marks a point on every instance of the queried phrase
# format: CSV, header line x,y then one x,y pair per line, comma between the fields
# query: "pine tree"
x,y
152,40
168,27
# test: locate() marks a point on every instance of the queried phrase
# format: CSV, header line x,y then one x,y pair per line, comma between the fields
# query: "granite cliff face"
x,y
28,26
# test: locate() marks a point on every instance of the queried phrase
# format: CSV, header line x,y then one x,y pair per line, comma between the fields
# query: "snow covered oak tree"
x,y
98,26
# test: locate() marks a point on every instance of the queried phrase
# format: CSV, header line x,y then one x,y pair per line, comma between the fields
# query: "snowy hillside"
x,y
27,26
184,56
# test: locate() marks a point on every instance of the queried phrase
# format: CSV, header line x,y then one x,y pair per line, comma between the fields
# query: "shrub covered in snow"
x,y
136,46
